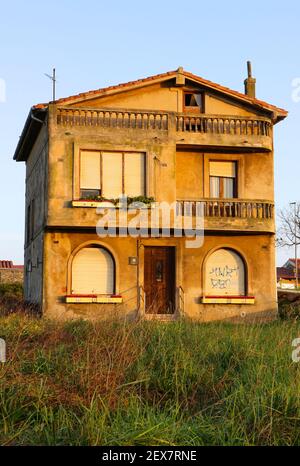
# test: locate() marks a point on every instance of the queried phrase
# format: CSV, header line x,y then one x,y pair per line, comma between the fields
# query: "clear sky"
x,y
94,44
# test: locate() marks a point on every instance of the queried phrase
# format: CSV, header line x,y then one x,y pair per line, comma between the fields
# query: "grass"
x,y
148,383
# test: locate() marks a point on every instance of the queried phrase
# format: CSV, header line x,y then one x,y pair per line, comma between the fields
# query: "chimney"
x,y
180,78
250,82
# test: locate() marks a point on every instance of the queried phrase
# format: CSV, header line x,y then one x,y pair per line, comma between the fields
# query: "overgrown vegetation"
x,y
143,383
13,290
12,301
289,305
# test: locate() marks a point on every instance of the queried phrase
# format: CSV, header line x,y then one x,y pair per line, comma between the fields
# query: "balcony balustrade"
x,y
231,214
228,208
206,130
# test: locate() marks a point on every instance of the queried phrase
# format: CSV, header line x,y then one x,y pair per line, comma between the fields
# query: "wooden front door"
x,y
159,279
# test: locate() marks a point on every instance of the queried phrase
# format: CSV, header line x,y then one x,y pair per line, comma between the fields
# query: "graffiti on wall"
x,y
221,278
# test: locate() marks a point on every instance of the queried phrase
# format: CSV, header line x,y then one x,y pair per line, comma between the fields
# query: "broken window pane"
x,y
193,100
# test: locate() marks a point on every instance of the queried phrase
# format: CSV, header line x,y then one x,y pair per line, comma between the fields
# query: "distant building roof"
x,y
284,272
5,264
293,261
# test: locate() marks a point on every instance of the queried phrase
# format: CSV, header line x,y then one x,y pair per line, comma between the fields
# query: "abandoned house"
x,y
174,138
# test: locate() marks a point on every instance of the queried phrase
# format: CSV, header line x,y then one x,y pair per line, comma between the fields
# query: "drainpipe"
x,y
35,118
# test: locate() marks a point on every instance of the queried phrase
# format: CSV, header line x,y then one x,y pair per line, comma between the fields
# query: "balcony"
x,y
113,118
224,131
232,214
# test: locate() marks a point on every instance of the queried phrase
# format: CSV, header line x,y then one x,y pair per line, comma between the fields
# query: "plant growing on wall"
x,y
130,200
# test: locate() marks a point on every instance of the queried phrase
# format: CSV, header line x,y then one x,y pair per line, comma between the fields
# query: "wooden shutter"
x,y
93,272
89,170
112,174
225,274
226,169
134,174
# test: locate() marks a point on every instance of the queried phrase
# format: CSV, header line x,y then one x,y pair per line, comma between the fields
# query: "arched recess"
x,y
92,270
225,273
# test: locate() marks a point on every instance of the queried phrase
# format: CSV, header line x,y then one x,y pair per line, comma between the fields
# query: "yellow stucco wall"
x,y
257,251
151,98
189,166
166,97
221,106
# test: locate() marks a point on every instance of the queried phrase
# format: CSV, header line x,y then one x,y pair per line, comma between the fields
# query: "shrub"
x,y
288,310
11,290
12,301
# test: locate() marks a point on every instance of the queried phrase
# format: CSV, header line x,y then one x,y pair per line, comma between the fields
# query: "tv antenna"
x,y
53,79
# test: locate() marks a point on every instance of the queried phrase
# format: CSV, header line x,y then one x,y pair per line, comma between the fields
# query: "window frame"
x,y
247,298
193,109
101,151
91,245
30,221
221,180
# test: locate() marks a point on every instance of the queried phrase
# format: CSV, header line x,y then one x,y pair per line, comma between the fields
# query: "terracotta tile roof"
x,y
4,264
227,90
163,76
293,261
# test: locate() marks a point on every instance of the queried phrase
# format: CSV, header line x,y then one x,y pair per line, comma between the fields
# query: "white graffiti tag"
x,y
222,276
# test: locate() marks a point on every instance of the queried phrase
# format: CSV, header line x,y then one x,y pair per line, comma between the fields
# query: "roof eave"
x,y
276,114
35,119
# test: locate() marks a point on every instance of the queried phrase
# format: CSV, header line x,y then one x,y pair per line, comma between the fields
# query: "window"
x,y
193,101
32,218
225,274
222,178
110,174
93,271
30,221
90,175
28,233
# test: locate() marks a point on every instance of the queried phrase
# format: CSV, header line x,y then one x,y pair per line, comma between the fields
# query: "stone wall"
x,y
11,275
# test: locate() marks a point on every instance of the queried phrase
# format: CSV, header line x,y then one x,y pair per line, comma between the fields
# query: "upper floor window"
x,y
110,174
193,101
223,180
30,221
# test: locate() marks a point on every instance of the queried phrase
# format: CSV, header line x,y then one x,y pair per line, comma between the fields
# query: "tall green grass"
x,y
147,383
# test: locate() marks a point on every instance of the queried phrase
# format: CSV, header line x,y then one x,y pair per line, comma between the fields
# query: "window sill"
x,y
105,205
84,203
98,299
228,300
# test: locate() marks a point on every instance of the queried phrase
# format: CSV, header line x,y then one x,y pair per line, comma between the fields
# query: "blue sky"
x,y
94,44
